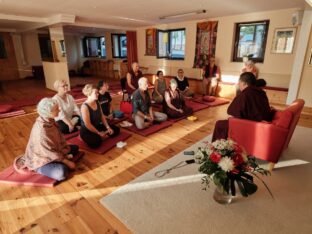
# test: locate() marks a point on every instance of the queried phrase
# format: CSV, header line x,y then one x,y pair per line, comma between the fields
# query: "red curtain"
x,y
132,49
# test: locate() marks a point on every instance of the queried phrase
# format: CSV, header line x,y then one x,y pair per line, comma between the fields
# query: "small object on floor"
x,y
153,102
191,152
125,124
121,144
192,118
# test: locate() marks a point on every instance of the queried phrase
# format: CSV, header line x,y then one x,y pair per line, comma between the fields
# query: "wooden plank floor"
x,y
73,205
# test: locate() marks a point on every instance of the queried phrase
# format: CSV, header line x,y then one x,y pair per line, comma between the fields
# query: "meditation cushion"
x,y
209,99
5,108
282,118
118,114
126,107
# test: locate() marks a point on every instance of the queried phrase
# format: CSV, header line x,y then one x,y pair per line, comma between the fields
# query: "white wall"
x,y
74,50
276,68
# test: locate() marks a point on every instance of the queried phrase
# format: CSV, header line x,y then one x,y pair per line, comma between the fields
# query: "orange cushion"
x,y
209,99
5,108
282,118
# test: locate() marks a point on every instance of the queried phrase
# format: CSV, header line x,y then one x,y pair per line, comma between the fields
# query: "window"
x,y
171,44
3,53
119,42
94,47
250,40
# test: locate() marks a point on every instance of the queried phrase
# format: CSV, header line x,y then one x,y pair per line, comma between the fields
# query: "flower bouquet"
x,y
225,163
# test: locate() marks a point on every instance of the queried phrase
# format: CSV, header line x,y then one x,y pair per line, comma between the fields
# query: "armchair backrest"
x,y
295,108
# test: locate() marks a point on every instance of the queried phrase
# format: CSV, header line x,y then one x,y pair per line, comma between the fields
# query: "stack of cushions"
x,y
209,99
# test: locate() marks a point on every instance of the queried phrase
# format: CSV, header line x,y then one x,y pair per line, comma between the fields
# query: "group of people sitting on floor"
x,y
48,154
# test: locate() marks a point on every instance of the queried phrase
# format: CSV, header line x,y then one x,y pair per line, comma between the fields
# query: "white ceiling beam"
x,y
104,26
23,18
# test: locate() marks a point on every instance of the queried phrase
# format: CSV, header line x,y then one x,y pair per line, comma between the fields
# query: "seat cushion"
x,y
5,108
282,118
209,99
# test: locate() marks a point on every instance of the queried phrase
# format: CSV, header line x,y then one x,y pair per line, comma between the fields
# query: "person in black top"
x,y
94,127
174,104
133,77
183,84
105,99
142,110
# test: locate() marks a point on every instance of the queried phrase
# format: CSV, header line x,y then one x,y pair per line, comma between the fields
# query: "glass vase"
x,y
221,196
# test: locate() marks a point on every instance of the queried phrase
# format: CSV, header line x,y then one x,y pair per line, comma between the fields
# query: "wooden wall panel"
x,y
8,65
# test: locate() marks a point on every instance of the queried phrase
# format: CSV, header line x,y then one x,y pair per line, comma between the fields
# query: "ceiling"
x,y
125,14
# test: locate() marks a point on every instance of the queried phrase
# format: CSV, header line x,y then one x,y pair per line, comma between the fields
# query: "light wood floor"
x,y
73,205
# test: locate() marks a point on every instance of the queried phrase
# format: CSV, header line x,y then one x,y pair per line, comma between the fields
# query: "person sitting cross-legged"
x,y
174,104
68,119
47,152
94,127
143,113
183,84
160,87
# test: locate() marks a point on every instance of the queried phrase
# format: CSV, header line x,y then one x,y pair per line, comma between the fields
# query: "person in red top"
x,y
211,76
252,104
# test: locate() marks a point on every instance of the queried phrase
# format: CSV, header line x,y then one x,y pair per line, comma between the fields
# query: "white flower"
x,y
226,164
199,155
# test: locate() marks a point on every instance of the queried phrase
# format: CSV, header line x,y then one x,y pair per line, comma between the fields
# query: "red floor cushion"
x,y
5,108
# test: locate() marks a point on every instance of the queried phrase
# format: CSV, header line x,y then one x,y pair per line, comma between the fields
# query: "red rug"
x,y
71,135
196,106
11,177
106,145
150,130
117,120
12,114
218,101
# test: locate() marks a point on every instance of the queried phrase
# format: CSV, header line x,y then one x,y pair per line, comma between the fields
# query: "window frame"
x,y
169,43
84,46
236,40
119,35
3,52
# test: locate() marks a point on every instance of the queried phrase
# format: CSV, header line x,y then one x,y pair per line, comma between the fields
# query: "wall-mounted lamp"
x,y
183,14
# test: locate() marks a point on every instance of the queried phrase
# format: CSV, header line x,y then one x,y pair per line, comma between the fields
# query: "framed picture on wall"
x,y
150,42
310,58
284,40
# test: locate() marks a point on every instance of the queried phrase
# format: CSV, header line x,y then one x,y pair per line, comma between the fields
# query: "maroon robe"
x,y
252,104
134,81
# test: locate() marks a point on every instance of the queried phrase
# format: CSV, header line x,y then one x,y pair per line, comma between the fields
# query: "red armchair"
x,y
266,140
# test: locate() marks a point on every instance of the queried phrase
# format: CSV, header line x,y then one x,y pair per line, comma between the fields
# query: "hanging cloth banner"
x,y
206,38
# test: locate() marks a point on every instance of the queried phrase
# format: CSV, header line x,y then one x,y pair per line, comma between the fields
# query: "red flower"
x,y
215,157
238,159
238,149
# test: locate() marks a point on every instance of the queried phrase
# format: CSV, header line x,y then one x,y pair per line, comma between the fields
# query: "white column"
x,y
303,41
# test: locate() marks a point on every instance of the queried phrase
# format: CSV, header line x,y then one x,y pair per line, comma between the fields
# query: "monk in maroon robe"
x,y
252,104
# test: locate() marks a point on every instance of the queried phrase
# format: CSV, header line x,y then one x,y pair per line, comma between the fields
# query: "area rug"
x,y
176,203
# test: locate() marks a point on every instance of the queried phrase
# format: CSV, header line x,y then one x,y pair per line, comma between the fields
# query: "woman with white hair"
x,y
47,152
94,127
69,117
174,105
251,67
143,113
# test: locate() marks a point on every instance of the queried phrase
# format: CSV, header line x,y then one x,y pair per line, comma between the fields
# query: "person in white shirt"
x,y
68,118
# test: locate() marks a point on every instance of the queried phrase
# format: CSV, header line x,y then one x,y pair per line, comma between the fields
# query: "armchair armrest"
x,y
260,139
